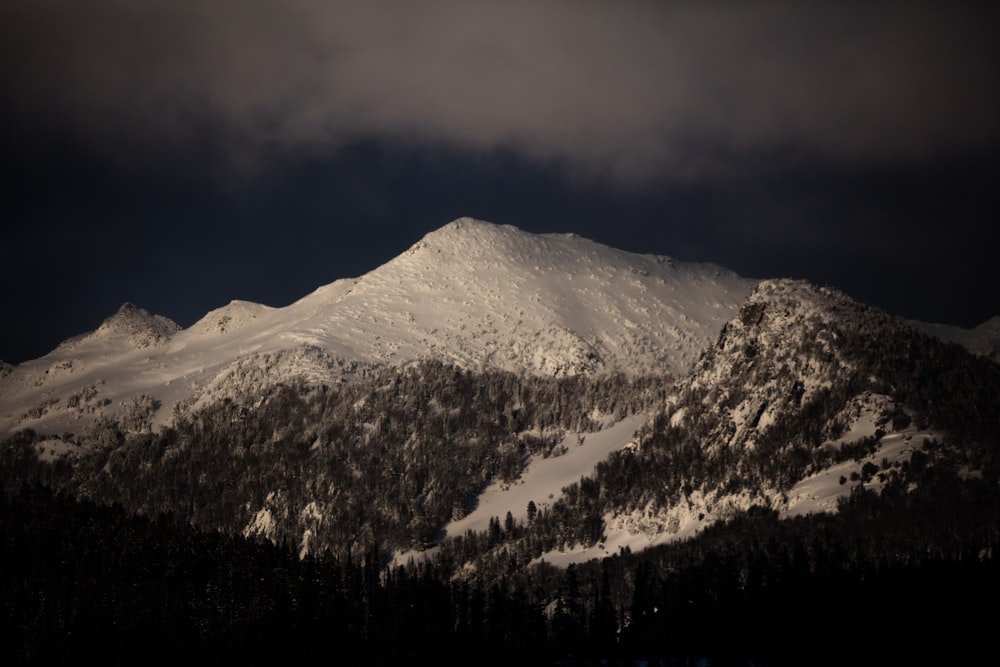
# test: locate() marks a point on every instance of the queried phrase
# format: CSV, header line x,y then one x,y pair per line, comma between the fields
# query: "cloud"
x,y
631,90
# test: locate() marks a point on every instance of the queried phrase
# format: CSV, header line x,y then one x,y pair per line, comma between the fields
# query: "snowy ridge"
x,y
471,293
983,340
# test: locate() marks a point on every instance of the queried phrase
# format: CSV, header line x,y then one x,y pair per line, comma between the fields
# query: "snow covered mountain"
x,y
472,293
493,403
596,399
804,391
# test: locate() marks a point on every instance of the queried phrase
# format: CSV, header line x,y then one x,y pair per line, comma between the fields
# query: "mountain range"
x,y
471,293
488,298
492,403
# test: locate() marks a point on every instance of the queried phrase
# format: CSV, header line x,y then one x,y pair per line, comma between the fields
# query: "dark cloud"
x,y
631,90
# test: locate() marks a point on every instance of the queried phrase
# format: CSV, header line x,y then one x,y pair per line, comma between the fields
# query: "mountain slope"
x,y
983,340
483,295
471,293
803,391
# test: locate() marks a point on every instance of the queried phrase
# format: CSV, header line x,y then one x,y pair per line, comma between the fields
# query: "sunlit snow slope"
x,y
472,293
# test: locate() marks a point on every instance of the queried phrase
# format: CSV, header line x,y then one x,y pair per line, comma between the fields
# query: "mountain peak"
x,y
466,235
465,223
142,328
482,294
775,303
234,315
486,244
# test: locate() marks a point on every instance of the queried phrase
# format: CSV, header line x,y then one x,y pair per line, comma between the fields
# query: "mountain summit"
x,y
471,293
141,328
483,295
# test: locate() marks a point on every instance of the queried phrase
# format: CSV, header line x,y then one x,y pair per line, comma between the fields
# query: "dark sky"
x,y
180,154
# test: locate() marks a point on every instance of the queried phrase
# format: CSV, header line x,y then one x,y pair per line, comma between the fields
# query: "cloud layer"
x,y
632,90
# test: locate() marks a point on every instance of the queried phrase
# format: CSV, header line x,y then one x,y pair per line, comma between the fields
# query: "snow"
x,y
548,304
52,449
263,523
230,318
544,478
542,481
472,293
819,492
642,529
